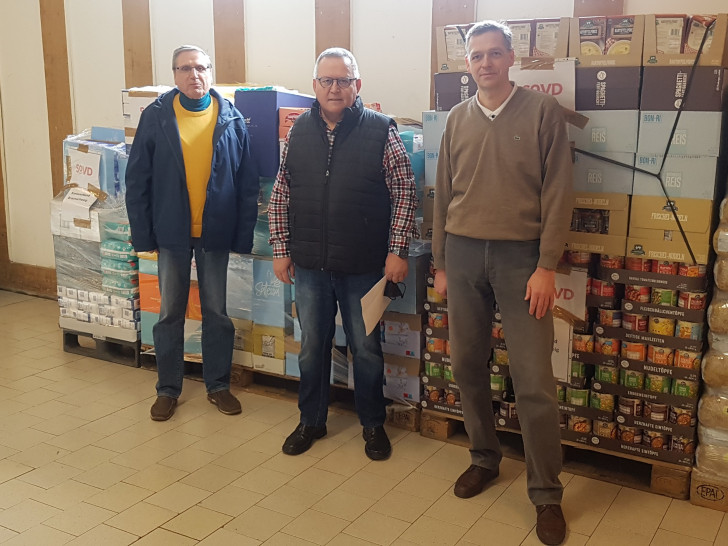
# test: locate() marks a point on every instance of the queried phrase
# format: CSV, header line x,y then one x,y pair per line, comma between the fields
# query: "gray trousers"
x,y
478,272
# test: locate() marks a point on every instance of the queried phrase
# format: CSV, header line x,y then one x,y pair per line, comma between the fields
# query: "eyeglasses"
x,y
343,83
187,69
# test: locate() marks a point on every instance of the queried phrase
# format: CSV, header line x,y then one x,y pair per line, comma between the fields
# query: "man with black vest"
x,y
341,212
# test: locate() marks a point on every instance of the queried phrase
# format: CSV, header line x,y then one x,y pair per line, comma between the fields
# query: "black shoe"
x,y
163,408
301,439
377,445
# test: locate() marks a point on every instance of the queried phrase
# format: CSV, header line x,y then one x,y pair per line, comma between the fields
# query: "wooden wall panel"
x,y
58,85
333,24
447,12
23,277
583,8
137,43
229,20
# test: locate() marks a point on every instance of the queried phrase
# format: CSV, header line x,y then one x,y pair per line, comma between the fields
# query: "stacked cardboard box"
x,y
96,267
691,161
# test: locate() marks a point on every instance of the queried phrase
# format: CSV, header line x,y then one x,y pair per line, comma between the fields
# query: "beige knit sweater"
x,y
505,179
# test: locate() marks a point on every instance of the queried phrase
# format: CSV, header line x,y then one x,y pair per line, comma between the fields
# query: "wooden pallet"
x,y
636,472
108,349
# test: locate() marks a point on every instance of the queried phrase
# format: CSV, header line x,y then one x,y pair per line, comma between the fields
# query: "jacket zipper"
x,y
216,135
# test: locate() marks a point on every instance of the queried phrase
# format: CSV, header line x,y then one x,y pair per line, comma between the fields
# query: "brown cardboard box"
x,y
633,58
650,243
534,28
428,204
286,117
654,233
426,231
269,341
541,74
450,42
608,88
708,490
655,213
614,241
404,416
663,88
717,55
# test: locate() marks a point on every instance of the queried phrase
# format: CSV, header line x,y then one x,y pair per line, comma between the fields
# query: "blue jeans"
x,y
317,294
218,332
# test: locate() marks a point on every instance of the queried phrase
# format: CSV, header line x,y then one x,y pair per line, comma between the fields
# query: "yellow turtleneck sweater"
x,y
195,132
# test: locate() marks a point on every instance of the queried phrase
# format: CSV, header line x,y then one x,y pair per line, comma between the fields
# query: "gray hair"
x,y
183,48
489,26
342,54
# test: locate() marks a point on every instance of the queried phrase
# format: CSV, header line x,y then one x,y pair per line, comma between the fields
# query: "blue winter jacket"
x,y
156,185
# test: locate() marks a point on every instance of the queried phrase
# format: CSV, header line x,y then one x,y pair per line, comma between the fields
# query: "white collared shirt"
x,y
491,114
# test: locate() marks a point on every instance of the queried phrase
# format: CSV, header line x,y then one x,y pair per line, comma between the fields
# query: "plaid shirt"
x,y
400,181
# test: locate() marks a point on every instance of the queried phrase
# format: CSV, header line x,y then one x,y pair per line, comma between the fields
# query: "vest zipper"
x,y
325,214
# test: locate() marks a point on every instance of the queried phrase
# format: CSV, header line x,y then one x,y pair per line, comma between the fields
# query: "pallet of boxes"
x,y
642,358
96,267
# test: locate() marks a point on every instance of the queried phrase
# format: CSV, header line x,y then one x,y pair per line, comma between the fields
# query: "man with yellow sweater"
x,y
192,189
502,210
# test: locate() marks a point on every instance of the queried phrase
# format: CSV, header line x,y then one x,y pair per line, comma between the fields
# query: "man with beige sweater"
x,y
503,206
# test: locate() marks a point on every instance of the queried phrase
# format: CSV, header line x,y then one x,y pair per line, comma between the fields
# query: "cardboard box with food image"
x,y
607,41
674,39
654,232
599,223
547,37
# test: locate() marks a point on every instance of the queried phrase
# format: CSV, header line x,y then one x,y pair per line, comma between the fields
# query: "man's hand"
x,y
441,282
395,268
284,269
541,290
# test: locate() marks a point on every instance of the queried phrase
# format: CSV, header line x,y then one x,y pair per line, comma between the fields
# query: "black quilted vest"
x,y
339,210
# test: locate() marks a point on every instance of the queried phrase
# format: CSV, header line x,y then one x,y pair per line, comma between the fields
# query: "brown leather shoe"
x,y
550,524
225,402
473,480
163,408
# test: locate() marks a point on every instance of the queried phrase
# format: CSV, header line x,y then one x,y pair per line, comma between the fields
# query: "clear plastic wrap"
x,y
720,239
713,408
718,313
107,219
112,161
240,286
78,263
715,369
712,458
720,272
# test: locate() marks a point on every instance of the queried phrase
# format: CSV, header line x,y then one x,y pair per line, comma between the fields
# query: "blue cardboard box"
x,y
271,297
111,174
260,110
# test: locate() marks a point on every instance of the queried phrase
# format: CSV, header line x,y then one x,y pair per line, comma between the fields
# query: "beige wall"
x,y
391,40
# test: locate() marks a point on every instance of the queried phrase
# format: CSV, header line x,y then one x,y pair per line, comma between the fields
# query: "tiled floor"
x,y
82,463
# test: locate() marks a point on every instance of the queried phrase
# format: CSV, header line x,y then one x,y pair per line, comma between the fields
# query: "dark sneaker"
x,y
377,445
225,402
163,408
301,439
473,480
550,524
